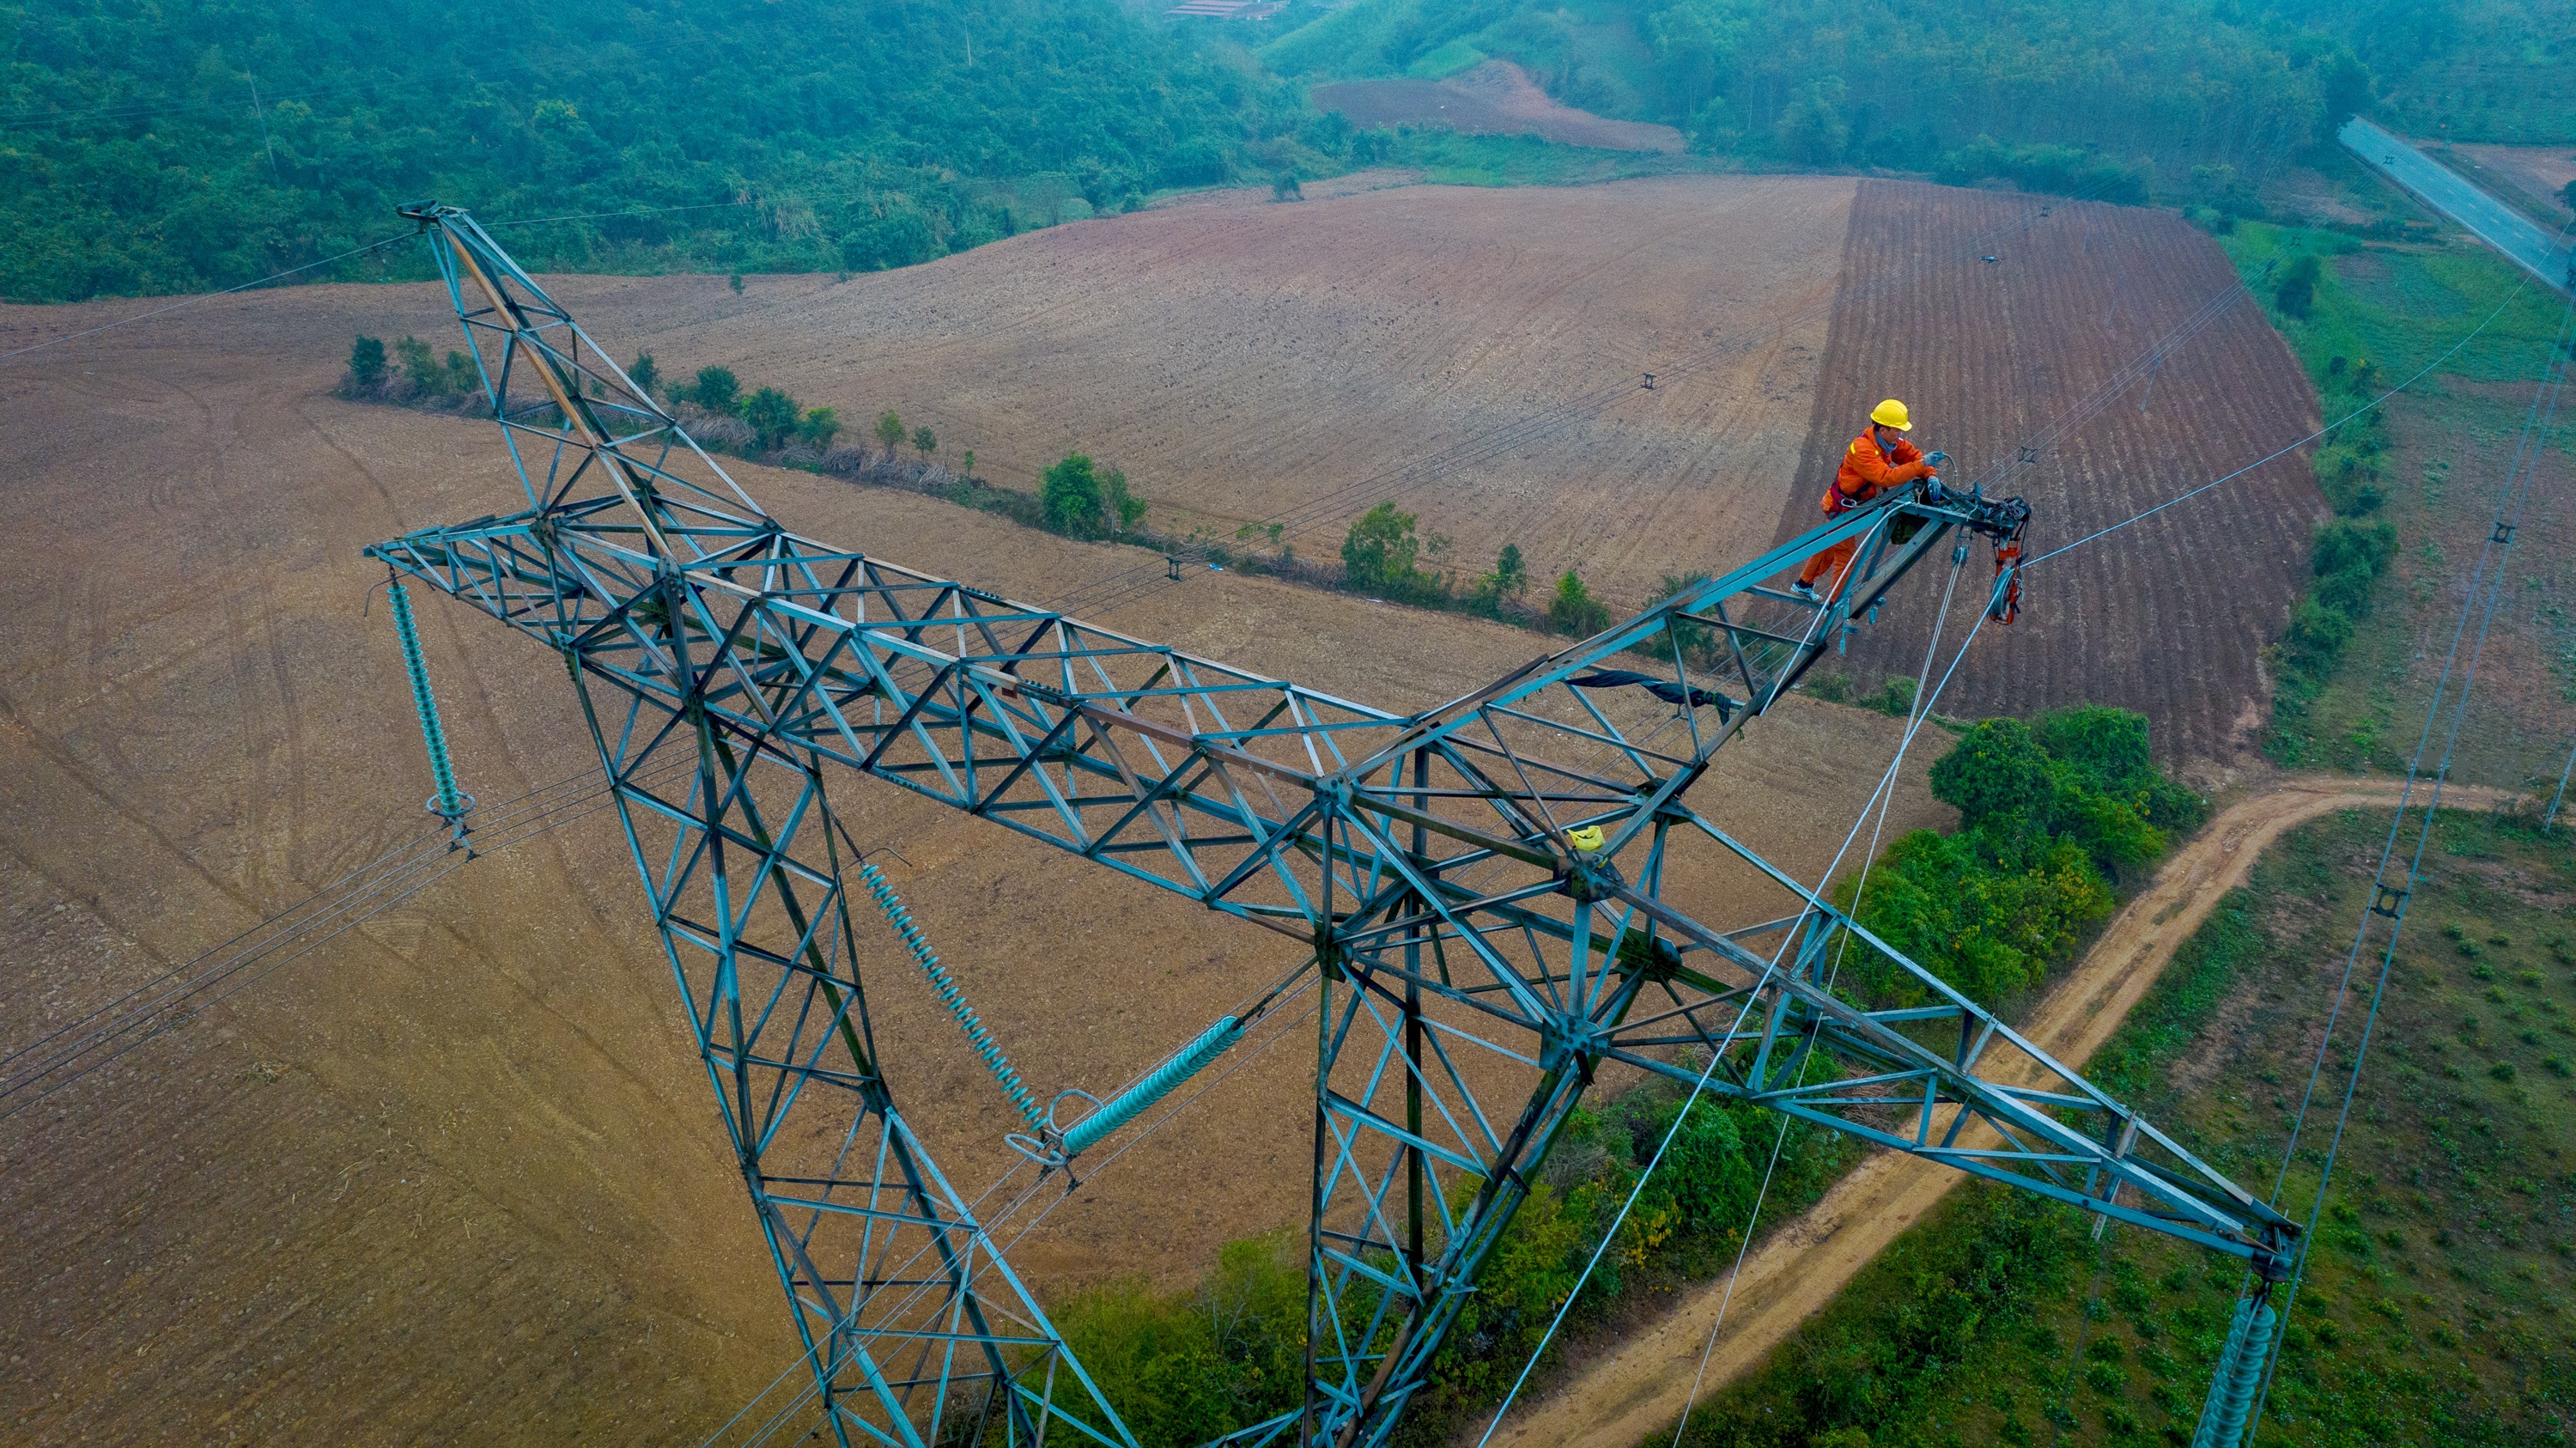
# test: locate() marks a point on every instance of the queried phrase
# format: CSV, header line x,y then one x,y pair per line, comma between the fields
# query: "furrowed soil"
x,y
1473,355
453,1176
2168,617
1496,98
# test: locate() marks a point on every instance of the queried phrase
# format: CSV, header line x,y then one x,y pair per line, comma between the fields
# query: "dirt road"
x,y
1637,1391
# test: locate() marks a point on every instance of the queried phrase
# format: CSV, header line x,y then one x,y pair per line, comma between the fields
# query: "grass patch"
x,y
2435,1307
1454,158
2399,305
2361,318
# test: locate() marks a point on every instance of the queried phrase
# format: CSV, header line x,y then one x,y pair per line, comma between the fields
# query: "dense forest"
x,y
154,147
147,147
1913,84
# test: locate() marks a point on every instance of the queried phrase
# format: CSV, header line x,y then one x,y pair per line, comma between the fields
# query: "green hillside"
x,y
133,159
1908,83
2434,1305
149,148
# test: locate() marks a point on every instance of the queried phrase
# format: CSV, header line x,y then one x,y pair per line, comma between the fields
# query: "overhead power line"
x,y
204,297
54,1061
1106,595
2387,901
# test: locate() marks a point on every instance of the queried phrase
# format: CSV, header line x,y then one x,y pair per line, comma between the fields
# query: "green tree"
x,y
1378,552
1510,578
367,362
718,390
1574,610
773,416
1119,508
924,442
2296,292
1812,130
820,426
1998,774
889,432
1070,494
735,281
966,464
645,373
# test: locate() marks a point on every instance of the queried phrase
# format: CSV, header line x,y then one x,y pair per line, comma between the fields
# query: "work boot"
x,y
1805,590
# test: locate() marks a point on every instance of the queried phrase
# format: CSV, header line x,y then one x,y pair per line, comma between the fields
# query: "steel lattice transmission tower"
x,y
1476,967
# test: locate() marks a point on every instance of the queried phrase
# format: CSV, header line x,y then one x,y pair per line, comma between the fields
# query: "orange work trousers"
x,y
1836,560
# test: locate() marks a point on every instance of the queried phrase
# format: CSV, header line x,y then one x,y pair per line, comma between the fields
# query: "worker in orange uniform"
x,y
1877,460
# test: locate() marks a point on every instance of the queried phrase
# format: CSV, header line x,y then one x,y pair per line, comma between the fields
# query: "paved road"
x,y
2491,221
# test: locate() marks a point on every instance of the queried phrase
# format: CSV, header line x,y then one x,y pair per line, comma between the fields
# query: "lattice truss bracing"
x,y
1477,968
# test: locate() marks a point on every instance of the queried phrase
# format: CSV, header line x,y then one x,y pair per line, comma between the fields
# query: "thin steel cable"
x,y
1285,989
1115,591
2564,771
611,215
1842,946
2524,285
2515,497
780,1417
204,297
1886,782
357,897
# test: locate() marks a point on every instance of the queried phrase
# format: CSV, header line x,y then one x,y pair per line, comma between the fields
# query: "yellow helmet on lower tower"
x,y
1891,413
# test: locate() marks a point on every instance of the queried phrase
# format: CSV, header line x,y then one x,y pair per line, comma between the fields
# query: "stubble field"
x,y
452,1177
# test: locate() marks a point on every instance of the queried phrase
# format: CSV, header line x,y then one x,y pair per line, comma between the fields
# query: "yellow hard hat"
x,y
1891,413
1586,839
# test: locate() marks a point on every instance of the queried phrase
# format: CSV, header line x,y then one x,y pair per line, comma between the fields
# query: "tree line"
x,y
2059,96
178,148
1076,496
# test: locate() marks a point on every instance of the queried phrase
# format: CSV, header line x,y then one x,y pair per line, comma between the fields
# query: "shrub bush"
x,y
2045,813
1573,609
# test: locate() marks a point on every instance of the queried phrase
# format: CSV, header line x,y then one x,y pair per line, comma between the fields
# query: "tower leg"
x,y
915,1329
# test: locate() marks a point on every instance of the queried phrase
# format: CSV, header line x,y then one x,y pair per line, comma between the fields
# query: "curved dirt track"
x,y
1637,1392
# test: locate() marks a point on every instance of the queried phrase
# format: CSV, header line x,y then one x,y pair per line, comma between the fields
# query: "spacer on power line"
x,y
2391,902
2503,533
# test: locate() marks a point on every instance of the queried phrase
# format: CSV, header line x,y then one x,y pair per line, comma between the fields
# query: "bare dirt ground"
x,y
2168,617
1637,1388
452,1178
2533,177
1496,98
2452,449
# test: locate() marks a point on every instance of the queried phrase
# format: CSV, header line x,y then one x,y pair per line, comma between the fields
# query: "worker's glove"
x,y
1935,459
1933,492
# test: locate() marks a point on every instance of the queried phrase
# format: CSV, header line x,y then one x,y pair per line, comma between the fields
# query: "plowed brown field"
x,y
1241,358
1496,98
453,1179
2168,617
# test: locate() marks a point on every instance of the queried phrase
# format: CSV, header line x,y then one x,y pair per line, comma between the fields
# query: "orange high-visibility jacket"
x,y
1866,472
